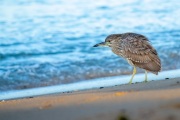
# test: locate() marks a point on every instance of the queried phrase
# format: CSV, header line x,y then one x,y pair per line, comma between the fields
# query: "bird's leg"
x,y
145,80
134,72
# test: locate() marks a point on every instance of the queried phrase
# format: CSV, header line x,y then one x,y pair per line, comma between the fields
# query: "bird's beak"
x,y
102,44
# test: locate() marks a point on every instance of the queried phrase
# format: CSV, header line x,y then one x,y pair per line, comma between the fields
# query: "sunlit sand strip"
x,y
84,85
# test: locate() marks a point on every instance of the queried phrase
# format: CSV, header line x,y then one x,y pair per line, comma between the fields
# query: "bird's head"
x,y
109,41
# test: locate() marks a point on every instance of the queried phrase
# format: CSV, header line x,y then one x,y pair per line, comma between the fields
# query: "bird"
x,y
136,49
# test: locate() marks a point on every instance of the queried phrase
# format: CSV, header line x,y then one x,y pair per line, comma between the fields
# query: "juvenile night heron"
x,y
136,49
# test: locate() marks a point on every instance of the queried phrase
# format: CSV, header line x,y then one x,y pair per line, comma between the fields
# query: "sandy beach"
x,y
155,100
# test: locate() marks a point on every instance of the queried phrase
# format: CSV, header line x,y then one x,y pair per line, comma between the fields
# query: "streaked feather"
x,y
137,49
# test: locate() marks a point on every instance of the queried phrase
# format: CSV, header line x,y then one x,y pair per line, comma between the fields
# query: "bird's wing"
x,y
141,53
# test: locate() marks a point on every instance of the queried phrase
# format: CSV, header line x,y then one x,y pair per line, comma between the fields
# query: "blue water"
x,y
49,42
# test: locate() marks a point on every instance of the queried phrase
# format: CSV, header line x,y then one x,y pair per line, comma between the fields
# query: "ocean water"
x,y
49,42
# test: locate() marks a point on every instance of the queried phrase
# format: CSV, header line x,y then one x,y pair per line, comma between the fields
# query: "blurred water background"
x,y
49,42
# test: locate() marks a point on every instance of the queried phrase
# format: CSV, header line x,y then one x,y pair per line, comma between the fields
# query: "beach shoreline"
x,y
87,85
154,100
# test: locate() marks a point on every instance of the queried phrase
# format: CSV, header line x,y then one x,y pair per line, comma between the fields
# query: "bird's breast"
x,y
118,51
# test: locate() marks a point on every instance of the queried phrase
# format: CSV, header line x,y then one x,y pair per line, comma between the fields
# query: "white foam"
x,y
95,83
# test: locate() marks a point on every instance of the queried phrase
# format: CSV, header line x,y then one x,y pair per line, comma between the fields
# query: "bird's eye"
x,y
109,41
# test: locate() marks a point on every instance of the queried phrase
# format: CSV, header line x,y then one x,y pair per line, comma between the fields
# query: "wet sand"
x,y
155,100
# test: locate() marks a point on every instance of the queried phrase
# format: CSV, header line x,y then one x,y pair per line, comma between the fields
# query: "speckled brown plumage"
x,y
136,49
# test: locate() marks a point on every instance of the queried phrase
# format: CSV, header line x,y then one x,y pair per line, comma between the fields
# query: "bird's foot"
x,y
130,82
145,80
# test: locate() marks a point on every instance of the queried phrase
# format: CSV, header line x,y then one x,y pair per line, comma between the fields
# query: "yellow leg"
x,y
146,79
134,72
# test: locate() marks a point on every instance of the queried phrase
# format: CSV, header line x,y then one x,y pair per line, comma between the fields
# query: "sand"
x,y
155,100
